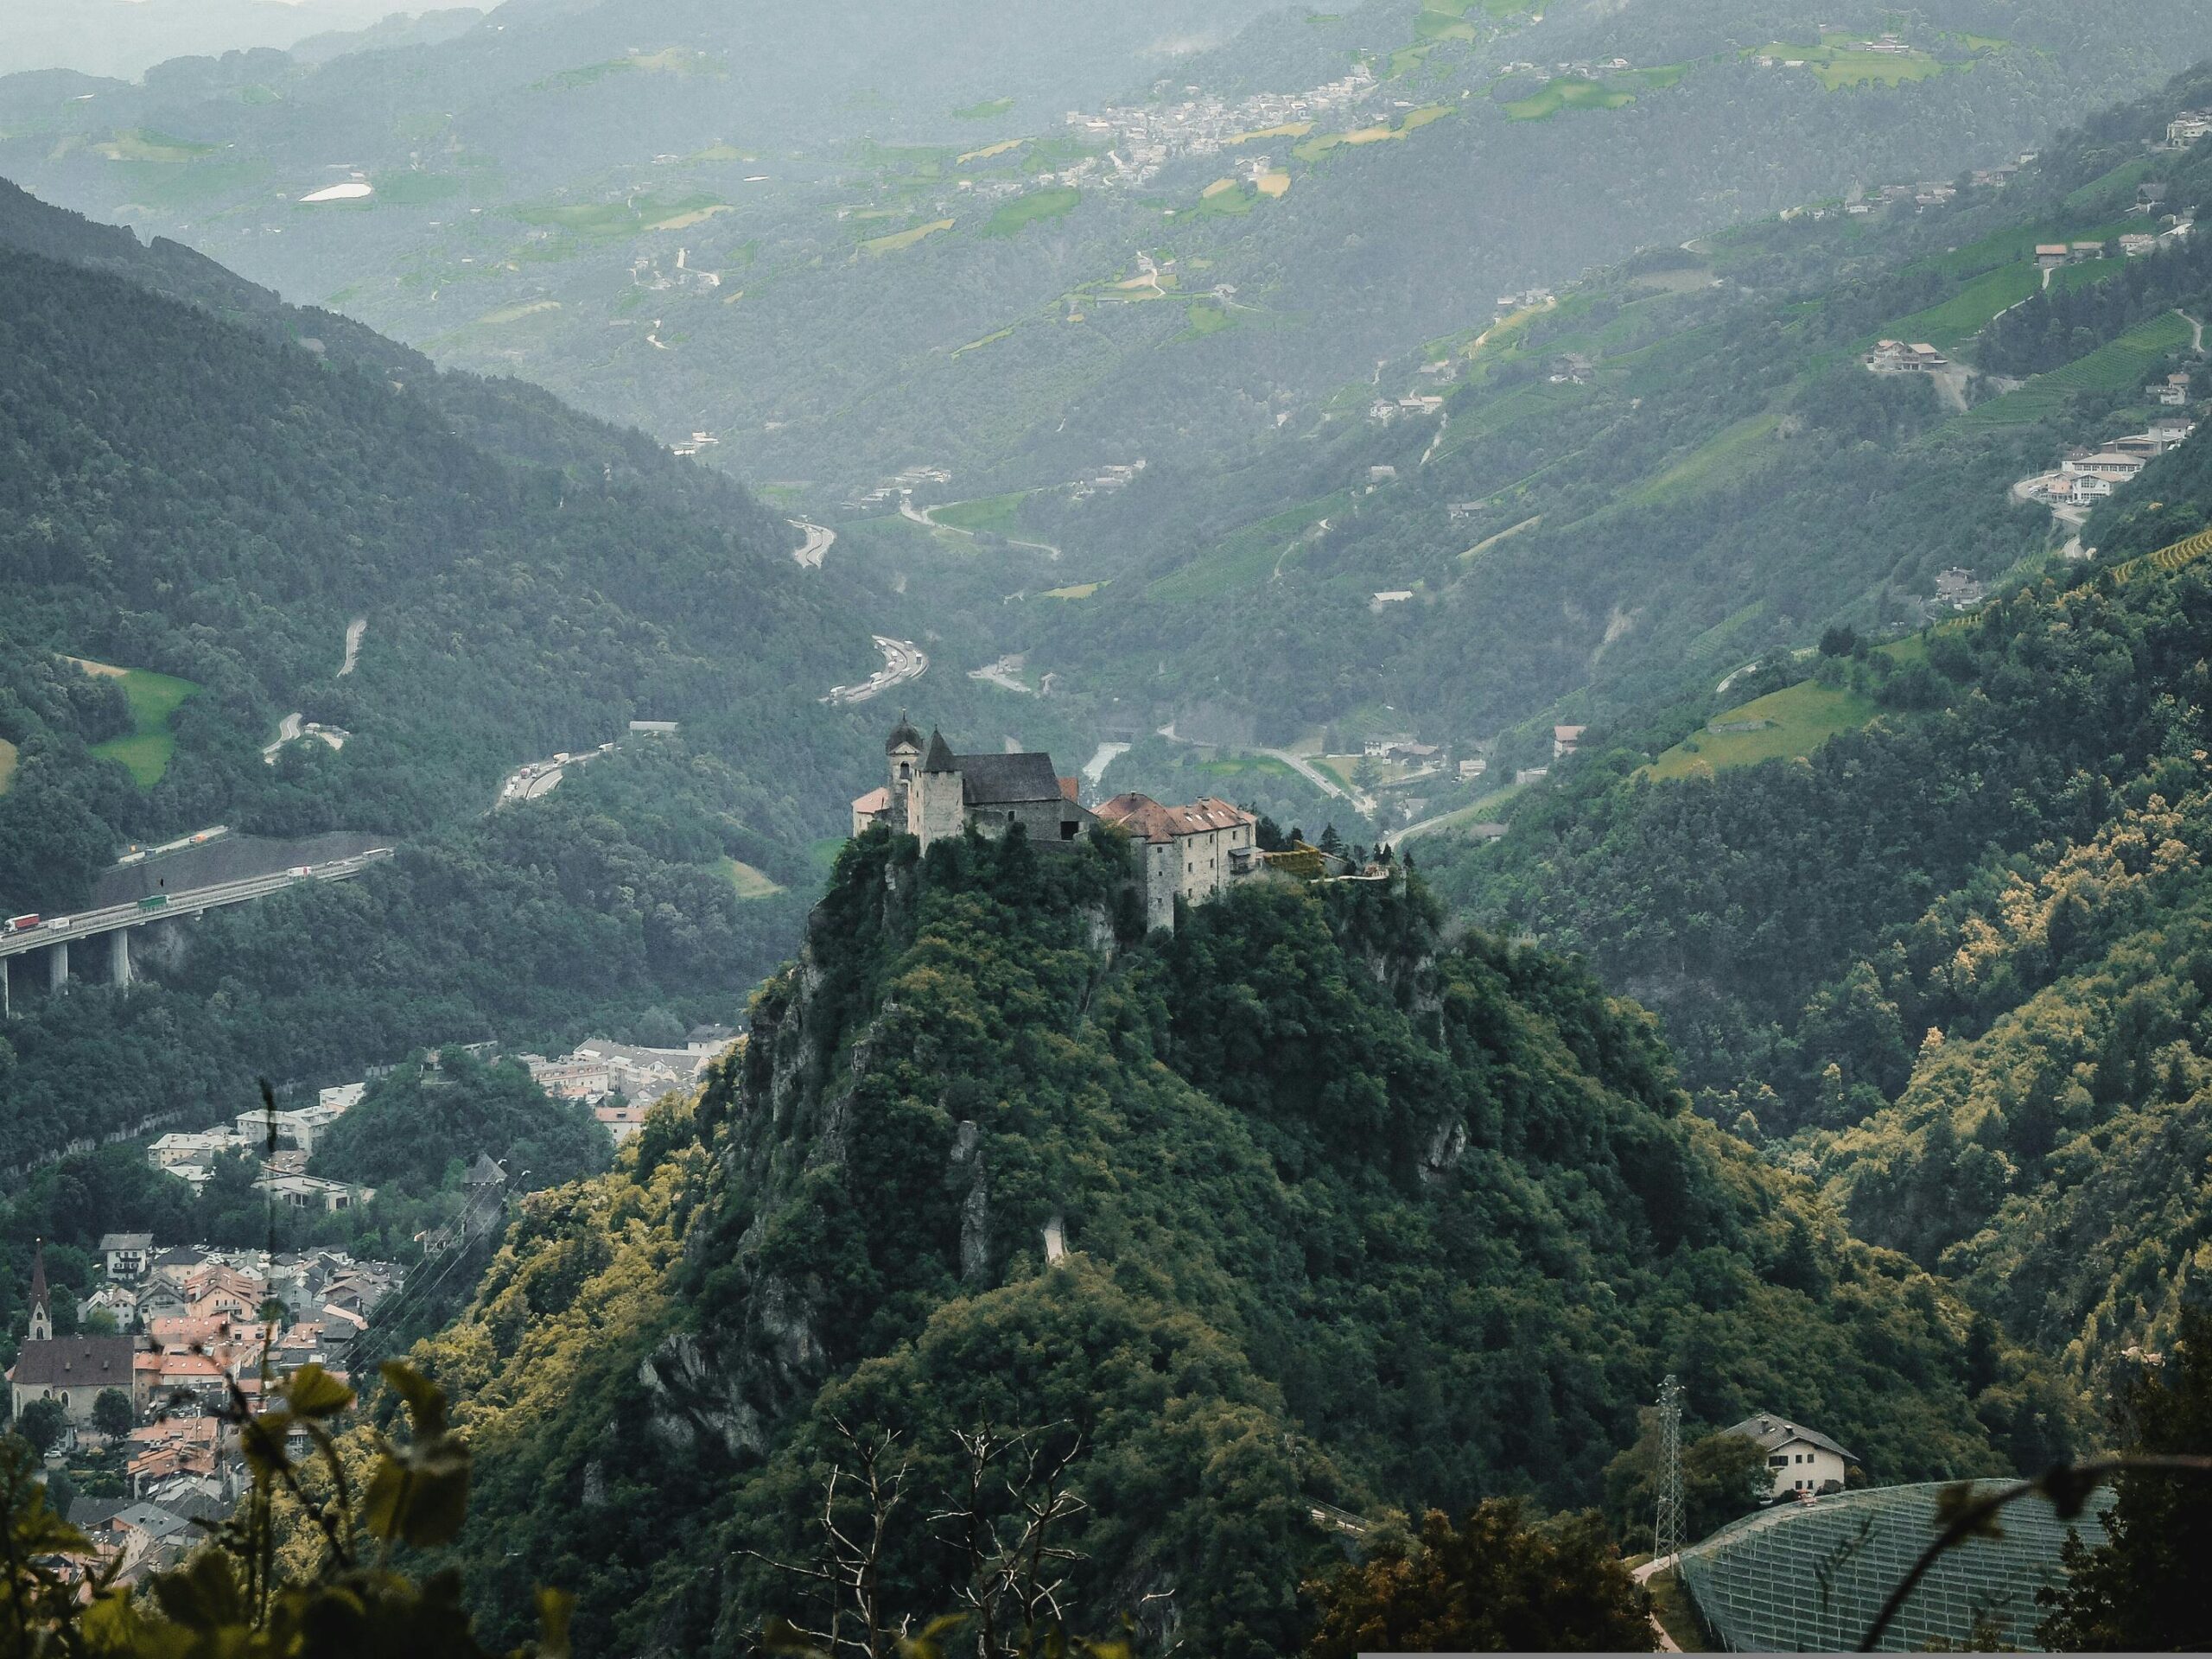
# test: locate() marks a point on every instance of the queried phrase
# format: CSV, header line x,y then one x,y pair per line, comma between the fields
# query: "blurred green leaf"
x,y
426,1400
555,1609
313,1392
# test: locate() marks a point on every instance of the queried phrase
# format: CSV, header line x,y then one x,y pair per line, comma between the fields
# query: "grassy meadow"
x,y
154,699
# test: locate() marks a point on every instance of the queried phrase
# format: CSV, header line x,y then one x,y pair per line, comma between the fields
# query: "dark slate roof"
x,y
939,758
154,1519
196,1506
74,1362
484,1171
85,1514
1774,1433
903,736
1007,779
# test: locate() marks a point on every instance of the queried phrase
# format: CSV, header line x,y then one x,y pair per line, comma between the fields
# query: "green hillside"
x,y
1331,1193
194,509
1944,961
1682,460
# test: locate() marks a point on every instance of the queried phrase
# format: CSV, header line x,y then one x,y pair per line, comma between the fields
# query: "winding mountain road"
x,y
902,660
820,539
924,516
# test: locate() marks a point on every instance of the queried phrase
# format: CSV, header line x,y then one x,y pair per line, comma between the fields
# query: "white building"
x,y
197,1148
2115,464
314,1192
300,1127
127,1254
1802,1460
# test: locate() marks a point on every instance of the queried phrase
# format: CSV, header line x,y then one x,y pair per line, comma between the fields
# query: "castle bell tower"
x,y
902,753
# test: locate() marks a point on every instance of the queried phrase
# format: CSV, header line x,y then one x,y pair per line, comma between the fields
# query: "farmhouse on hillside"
x,y
1803,1459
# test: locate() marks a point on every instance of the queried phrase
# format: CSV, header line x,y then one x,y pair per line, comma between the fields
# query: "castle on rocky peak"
x,y
1190,853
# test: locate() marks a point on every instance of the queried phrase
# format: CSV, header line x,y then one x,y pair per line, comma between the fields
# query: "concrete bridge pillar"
x,y
118,955
57,966
7,1008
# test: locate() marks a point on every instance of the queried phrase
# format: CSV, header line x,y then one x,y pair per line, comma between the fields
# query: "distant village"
x,y
172,1340
618,1081
1141,139
168,1347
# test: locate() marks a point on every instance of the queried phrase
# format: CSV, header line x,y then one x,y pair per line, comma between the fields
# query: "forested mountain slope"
x,y
202,493
1947,961
1353,1216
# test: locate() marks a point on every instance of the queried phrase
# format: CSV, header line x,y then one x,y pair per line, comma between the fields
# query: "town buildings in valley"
x,y
184,1326
618,1081
281,1141
189,1334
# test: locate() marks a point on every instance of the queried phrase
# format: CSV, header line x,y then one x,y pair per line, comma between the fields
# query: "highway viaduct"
x,y
55,934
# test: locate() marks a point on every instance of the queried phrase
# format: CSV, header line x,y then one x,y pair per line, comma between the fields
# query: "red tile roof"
x,y
1146,820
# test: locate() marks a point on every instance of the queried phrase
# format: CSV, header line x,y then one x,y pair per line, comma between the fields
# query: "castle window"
x,y
1067,828
905,770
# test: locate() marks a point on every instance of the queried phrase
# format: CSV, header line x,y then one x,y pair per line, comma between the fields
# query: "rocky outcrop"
x,y
976,1210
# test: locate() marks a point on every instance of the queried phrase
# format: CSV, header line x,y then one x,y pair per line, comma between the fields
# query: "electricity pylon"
x,y
1667,1518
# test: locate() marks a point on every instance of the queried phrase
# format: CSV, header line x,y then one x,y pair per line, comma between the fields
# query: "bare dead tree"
x,y
1002,1525
846,1573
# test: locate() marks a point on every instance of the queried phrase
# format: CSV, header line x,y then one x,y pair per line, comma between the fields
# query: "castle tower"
x,y
936,806
41,1328
902,754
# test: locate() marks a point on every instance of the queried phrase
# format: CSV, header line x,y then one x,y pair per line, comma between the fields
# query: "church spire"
x,y
42,1327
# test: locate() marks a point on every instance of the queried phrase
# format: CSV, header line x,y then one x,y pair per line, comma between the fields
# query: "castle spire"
x,y
42,1325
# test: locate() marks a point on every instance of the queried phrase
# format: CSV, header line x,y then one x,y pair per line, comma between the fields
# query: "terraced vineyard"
x,y
2127,361
2166,558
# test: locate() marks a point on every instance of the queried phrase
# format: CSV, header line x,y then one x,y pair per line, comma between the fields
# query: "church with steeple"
x,y
933,794
73,1370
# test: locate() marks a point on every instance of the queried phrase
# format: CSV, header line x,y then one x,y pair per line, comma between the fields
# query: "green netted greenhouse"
x,y
1809,1578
